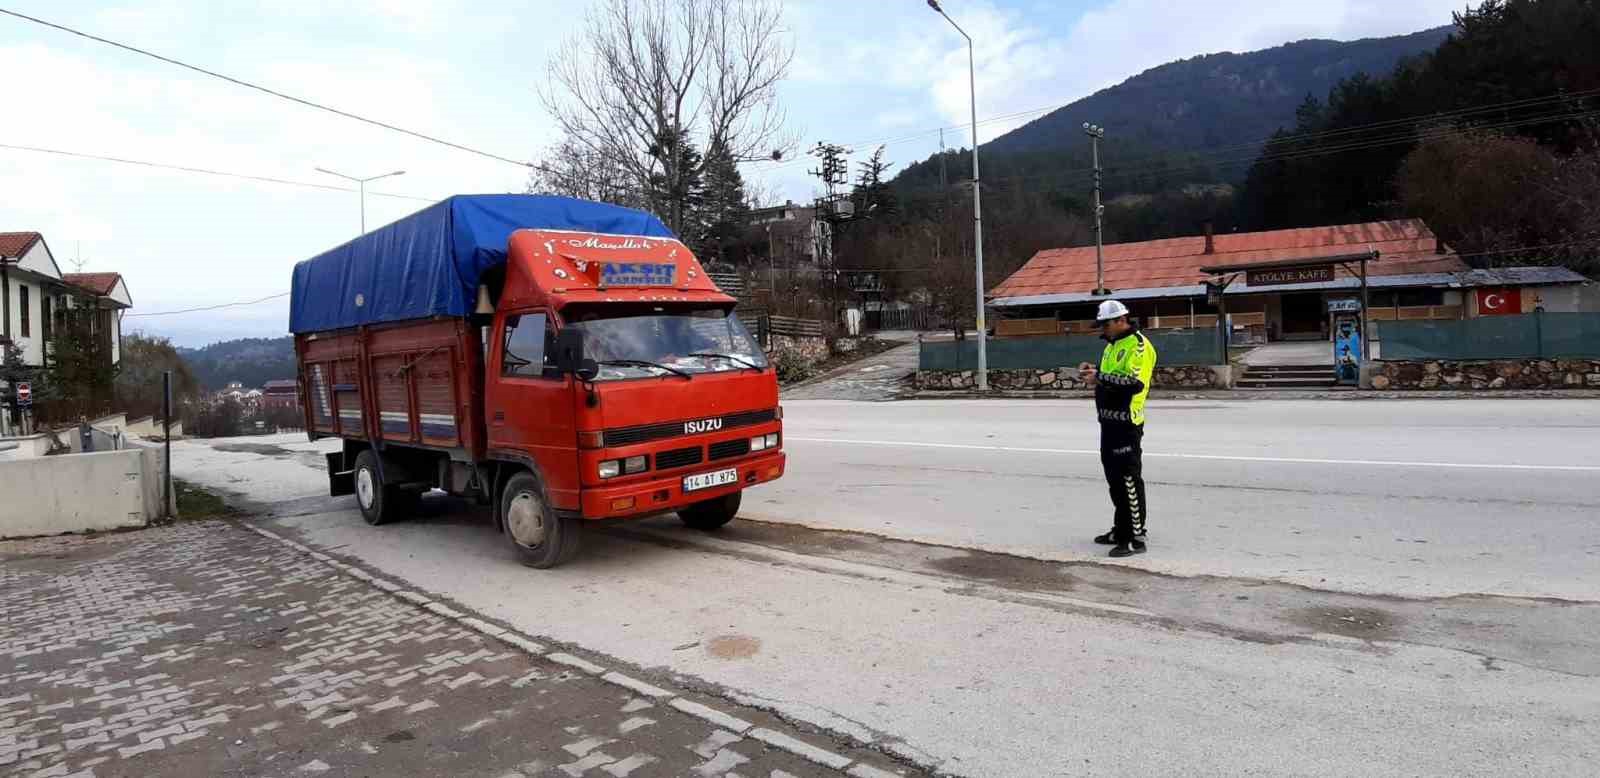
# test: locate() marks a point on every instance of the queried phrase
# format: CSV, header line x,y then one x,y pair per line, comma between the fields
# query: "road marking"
x,y
1213,457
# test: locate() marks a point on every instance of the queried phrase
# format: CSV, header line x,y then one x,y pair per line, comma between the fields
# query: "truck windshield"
x,y
655,341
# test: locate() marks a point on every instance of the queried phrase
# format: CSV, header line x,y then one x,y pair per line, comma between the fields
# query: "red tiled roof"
x,y
1405,247
15,244
99,283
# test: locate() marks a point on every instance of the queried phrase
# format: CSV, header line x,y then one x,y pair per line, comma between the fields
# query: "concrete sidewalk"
x,y
206,649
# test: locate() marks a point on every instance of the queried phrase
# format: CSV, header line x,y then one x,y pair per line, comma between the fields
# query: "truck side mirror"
x,y
570,358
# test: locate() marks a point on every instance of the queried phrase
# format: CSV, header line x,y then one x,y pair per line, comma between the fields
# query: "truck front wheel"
x,y
380,503
542,538
711,514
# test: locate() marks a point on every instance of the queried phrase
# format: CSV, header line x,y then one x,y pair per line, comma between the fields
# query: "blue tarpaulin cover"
x,y
427,264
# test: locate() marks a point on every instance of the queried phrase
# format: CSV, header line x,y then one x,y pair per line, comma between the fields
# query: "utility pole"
x,y
977,202
166,445
944,203
361,184
1095,133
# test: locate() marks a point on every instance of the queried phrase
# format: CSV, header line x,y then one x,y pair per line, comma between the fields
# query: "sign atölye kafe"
x,y
1315,274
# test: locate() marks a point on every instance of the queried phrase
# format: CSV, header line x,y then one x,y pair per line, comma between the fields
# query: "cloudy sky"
x,y
469,71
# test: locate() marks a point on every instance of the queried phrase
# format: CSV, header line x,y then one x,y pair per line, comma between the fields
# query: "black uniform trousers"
x,y
1122,456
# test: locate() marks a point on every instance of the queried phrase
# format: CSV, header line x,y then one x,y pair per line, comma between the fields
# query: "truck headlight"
x,y
610,468
758,443
772,440
636,464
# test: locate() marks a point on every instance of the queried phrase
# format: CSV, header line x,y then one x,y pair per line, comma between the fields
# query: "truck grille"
x,y
627,436
730,448
680,457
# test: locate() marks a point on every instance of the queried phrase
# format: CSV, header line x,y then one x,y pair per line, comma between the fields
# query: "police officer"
x,y
1121,385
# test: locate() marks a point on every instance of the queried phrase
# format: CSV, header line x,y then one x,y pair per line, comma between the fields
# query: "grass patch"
x,y
195,502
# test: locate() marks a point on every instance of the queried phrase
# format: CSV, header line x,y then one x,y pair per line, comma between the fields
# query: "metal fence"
x,y
918,318
1529,336
1175,348
790,326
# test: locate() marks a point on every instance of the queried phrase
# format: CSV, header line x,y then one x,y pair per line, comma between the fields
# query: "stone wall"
x,y
1061,379
806,349
1488,374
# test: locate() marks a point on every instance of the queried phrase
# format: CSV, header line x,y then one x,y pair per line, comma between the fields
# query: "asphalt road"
x,y
976,663
1415,498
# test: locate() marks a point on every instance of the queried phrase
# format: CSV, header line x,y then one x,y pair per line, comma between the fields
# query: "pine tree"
x,y
724,213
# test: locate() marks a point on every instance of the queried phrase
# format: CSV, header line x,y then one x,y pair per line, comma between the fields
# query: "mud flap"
x,y
339,483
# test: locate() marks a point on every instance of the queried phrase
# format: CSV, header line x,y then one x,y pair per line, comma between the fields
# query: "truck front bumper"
x,y
639,499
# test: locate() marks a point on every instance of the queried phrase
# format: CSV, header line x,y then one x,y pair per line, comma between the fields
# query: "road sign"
x,y
1298,275
24,394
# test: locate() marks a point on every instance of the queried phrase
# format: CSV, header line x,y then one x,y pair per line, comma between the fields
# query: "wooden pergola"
x,y
1355,264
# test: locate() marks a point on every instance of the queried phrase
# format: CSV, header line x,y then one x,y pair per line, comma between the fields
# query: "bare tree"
x,y
573,170
644,79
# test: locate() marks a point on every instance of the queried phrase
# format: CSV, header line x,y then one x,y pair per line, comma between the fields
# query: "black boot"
x,y
1108,539
1128,549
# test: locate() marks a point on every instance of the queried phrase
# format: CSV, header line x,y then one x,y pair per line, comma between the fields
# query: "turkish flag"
x,y
1499,302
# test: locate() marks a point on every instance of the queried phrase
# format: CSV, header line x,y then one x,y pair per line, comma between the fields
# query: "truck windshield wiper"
x,y
645,363
729,357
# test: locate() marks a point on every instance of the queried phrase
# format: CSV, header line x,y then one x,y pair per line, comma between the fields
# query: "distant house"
x,y
1416,277
786,235
280,394
34,293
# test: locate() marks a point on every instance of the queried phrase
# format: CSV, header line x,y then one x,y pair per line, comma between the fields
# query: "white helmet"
x,y
1111,309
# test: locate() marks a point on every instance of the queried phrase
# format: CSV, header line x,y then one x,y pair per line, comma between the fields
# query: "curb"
x,y
743,729
1258,395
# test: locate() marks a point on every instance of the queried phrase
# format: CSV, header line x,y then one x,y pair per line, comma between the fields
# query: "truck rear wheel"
x,y
711,514
380,503
543,538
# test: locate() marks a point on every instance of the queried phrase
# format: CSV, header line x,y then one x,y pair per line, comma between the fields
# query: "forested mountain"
x,y
250,361
1168,117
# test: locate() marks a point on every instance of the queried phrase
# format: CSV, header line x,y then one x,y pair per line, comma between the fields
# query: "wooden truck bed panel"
x,y
411,383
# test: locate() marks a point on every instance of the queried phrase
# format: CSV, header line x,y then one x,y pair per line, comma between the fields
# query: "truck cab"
x,y
619,370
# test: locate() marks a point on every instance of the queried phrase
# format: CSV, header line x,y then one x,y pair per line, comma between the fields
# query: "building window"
x,y
1419,297
22,300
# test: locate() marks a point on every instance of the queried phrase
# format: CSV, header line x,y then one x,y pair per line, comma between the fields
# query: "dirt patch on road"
x,y
1363,623
1009,572
733,647
264,449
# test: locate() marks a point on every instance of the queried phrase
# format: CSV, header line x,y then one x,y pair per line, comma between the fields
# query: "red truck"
x,y
561,360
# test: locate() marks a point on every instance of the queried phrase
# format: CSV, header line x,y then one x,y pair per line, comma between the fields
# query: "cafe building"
x,y
1281,285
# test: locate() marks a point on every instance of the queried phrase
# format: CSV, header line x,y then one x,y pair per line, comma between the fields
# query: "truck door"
x,y
529,402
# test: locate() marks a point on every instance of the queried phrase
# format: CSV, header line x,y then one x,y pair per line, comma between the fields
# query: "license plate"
x,y
692,483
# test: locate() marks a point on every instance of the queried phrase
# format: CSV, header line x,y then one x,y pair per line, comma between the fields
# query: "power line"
x,y
1522,103
216,307
1202,162
1512,250
205,171
266,90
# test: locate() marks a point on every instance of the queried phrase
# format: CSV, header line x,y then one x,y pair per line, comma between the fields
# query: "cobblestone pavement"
x,y
879,377
205,649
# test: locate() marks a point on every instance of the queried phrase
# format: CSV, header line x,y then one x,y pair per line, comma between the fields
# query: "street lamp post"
x,y
977,202
1095,133
361,183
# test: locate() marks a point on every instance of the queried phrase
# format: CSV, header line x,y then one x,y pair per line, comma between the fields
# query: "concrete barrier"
x,y
79,493
27,447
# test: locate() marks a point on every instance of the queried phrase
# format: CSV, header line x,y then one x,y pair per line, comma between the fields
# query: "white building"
x,y
33,291
34,296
